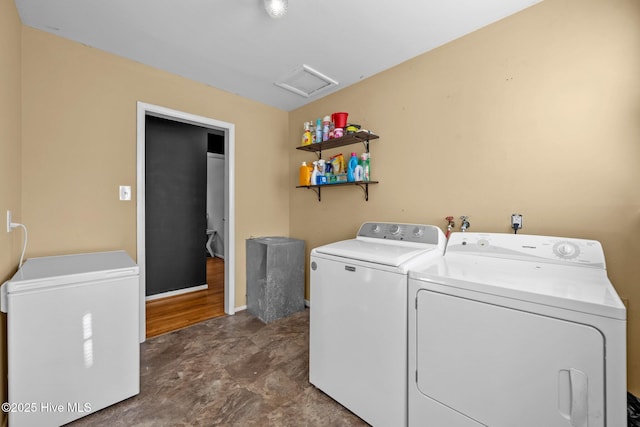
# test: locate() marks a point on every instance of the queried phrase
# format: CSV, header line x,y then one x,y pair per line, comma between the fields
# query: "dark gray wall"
x,y
176,184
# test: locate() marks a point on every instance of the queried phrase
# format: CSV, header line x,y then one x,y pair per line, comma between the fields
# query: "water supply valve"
x,y
450,225
465,223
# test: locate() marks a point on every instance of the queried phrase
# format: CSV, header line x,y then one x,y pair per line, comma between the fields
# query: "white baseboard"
x,y
177,292
244,307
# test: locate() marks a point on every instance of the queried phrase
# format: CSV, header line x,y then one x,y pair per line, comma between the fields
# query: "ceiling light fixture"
x,y
276,8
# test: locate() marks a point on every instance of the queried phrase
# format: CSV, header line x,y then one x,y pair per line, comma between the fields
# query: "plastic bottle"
x,y
364,162
314,174
305,174
351,167
312,129
326,128
306,135
321,178
319,130
358,173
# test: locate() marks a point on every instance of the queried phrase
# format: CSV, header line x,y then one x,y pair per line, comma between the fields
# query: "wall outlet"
x,y
516,221
8,221
125,192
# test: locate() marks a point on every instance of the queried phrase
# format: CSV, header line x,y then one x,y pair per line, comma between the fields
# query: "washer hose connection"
x,y
465,223
450,225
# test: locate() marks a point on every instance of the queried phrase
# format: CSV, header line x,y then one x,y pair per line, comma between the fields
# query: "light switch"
x,y
125,192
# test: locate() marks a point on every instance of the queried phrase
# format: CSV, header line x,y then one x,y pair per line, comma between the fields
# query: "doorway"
x,y
227,234
215,198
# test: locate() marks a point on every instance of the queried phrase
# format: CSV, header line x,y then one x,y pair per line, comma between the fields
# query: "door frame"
x,y
143,110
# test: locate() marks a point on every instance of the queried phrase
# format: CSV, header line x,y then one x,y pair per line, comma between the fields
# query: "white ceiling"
x,y
235,46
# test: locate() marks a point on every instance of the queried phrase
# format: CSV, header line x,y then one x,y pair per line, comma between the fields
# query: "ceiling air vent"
x,y
305,81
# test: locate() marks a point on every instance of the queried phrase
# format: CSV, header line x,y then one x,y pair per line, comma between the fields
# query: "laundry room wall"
x,y
10,176
79,146
10,107
537,114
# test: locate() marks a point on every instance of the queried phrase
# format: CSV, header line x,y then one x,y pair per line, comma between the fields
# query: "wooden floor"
x,y
172,313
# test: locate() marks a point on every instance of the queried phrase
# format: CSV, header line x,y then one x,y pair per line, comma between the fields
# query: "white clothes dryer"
x,y
358,317
516,330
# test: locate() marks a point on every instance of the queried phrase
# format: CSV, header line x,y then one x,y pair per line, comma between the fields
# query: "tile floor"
x,y
228,371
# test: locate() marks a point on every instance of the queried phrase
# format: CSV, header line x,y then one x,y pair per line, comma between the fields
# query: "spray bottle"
x,y
315,173
321,178
306,135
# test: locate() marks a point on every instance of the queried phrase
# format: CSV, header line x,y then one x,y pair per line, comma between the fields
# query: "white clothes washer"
x,y
516,330
358,317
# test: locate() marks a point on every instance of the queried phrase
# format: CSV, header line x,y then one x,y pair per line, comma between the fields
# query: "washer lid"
x,y
378,251
586,290
52,271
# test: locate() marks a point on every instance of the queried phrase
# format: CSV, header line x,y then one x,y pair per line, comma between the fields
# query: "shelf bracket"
x,y
317,191
365,190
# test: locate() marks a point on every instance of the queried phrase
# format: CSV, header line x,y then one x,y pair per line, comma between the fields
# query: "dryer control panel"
x,y
551,249
418,233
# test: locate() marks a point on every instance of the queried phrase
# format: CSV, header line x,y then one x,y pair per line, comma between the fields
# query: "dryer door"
x,y
503,367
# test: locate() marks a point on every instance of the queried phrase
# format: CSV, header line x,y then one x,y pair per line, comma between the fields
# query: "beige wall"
x,y
10,105
10,176
79,145
538,114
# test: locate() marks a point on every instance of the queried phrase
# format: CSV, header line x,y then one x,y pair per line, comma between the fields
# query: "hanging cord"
x,y
24,245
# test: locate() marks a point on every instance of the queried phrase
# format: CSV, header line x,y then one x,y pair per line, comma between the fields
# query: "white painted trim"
x,y
241,308
307,303
177,292
144,109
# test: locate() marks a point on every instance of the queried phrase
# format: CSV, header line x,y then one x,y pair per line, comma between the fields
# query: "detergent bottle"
x,y
351,167
364,162
305,174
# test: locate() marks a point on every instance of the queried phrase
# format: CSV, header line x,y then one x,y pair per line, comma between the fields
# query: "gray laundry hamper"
x,y
275,277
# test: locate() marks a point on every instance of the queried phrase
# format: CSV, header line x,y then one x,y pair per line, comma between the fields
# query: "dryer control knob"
x,y
375,228
566,250
394,229
418,232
